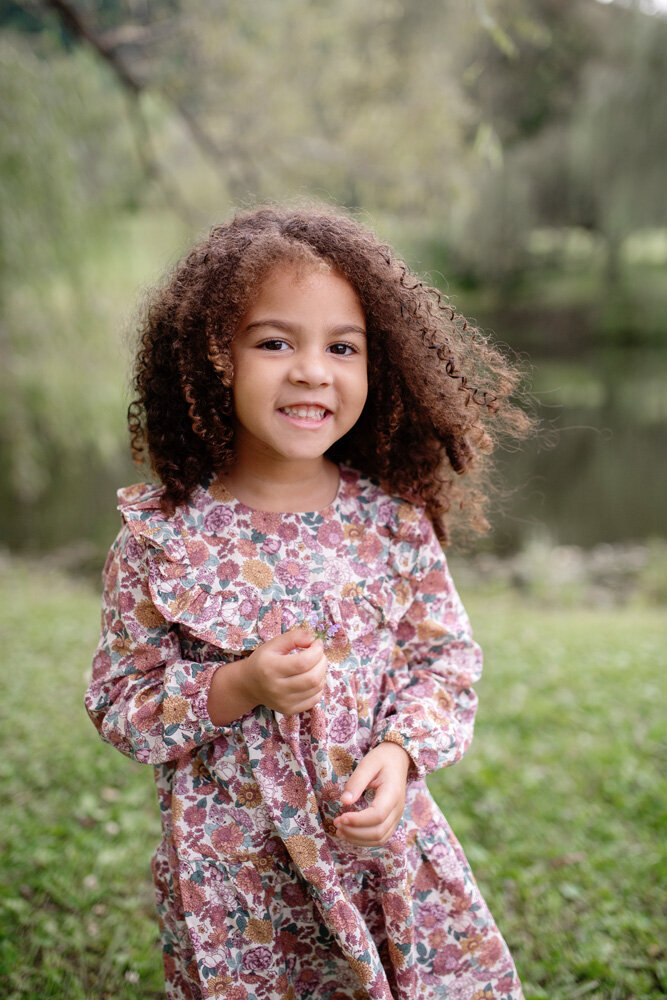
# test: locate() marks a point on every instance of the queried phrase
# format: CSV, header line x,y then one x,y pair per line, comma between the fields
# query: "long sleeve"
x,y
144,697
430,708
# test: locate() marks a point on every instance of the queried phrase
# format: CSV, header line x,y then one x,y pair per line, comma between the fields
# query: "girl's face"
x,y
300,362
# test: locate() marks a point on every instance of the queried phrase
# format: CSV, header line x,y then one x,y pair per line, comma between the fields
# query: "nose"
x,y
310,368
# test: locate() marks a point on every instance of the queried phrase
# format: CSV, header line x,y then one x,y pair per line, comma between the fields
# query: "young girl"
x,y
281,638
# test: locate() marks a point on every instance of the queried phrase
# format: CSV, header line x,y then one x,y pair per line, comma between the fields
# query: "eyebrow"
x,y
279,324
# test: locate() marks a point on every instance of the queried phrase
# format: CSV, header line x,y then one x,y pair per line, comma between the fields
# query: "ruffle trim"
x,y
209,609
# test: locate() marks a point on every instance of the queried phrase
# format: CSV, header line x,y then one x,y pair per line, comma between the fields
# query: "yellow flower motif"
x,y
259,931
403,592
249,795
396,955
341,761
430,630
353,531
302,849
148,615
362,969
336,653
406,512
352,590
219,491
174,710
257,572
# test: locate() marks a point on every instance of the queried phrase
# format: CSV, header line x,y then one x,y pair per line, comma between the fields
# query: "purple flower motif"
x,y
271,545
343,727
330,534
257,959
248,608
218,519
292,573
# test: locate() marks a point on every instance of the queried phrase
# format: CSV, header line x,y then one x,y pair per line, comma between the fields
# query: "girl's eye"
x,y
343,349
273,345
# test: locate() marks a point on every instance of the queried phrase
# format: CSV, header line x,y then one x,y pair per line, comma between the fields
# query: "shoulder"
x,y
394,516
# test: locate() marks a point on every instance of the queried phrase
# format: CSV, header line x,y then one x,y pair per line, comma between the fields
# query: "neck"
x,y
283,487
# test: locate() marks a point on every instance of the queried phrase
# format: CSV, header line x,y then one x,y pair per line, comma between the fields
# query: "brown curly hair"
x,y
439,394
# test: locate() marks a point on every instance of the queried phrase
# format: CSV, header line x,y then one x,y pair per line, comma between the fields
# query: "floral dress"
x,y
257,897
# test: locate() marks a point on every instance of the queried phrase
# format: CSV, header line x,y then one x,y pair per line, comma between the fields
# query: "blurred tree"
x,y
55,195
575,115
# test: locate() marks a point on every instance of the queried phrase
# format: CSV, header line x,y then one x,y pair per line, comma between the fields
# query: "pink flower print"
x,y
257,959
270,624
289,619
265,521
447,960
292,573
421,810
432,914
288,532
248,608
235,636
434,582
227,839
146,657
134,552
271,545
370,548
126,602
343,727
330,534
227,570
338,570
197,552
246,547
385,511
218,519
194,816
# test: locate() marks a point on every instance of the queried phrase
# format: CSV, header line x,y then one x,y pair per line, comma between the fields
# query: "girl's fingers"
x,y
364,773
310,681
303,660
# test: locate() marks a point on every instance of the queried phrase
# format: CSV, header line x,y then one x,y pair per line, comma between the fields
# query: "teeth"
x,y
305,412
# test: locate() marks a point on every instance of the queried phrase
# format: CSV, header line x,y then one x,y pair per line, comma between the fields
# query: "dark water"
x,y
596,473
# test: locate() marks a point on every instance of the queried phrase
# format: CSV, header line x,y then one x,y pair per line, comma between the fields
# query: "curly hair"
x,y
440,396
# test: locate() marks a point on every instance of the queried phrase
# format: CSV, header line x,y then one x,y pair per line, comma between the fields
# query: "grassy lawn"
x,y
559,804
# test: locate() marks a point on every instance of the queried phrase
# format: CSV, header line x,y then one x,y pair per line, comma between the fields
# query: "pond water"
x,y
597,472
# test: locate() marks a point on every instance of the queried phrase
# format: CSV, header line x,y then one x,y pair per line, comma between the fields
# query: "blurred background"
x,y
512,150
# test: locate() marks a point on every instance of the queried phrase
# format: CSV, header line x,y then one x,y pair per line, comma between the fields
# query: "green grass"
x,y
559,803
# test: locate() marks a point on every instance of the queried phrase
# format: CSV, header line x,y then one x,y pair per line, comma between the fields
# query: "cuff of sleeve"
x,y
198,699
395,736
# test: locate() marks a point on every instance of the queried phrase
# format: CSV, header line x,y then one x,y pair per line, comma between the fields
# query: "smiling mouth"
x,y
314,413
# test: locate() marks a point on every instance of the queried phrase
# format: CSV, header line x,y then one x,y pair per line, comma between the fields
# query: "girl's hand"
x,y
385,769
287,673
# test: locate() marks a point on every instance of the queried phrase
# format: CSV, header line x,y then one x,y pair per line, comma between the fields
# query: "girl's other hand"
x,y
384,769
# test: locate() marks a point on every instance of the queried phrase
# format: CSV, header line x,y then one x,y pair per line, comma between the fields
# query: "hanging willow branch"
x,y
134,87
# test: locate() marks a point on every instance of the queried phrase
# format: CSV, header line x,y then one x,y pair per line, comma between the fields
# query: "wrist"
x,y
229,696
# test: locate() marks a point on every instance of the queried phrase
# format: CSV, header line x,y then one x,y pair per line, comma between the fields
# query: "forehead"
x,y
304,290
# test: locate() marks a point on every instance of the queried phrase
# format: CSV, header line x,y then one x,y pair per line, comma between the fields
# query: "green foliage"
x,y
559,804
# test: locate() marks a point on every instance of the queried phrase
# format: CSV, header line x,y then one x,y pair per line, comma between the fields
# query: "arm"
x,y
431,708
154,705
144,697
